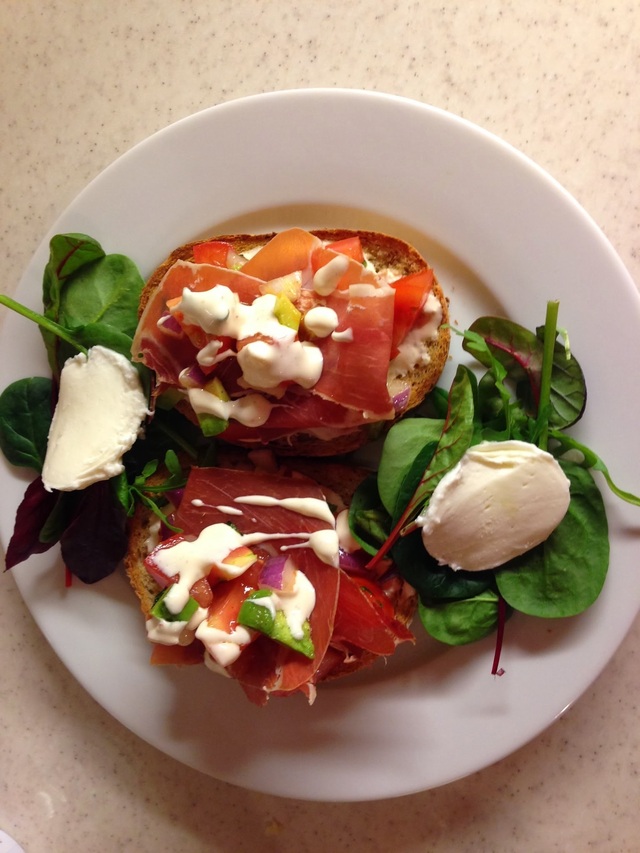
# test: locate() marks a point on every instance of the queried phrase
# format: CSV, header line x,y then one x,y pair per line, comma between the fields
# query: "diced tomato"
x,y
162,655
201,591
212,252
350,246
377,597
228,597
150,564
411,294
241,556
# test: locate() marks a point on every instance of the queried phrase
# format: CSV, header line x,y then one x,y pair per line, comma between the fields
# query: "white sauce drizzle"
x,y
321,321
252,410
343,336
327,277
310,507
411,351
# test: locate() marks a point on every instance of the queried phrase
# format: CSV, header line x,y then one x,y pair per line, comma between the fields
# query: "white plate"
x,y
503,237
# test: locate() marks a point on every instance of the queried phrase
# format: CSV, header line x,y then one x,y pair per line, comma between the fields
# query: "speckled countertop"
x,y
80,84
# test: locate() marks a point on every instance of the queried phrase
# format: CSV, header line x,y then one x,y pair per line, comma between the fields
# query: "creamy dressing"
x,y
265,366
326,279
276,357
219,312
310,507
194,560
210,354
344,336
345,537
296,605
174,633
252,410
321,321
411,351
224,647
324,544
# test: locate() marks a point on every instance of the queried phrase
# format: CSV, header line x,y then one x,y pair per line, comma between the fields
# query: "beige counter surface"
x,y
80,83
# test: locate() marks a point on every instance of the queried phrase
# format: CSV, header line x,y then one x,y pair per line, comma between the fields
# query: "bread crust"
x,y
385,252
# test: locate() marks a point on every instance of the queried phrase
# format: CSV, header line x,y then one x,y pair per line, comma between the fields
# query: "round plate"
x,y
504,238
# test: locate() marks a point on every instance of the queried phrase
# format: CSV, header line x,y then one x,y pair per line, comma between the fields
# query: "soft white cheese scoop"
x,y
100,410
500,500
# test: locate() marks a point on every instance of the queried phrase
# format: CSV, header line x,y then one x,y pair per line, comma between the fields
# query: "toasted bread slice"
x,y
339,483
386,254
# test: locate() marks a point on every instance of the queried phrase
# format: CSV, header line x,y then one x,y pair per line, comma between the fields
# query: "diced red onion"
x,y
175,497
278,574
400,400
192,377
168,323
355,561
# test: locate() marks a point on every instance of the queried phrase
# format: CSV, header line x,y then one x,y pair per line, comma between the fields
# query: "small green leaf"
x,y
25,418
460,622
565,574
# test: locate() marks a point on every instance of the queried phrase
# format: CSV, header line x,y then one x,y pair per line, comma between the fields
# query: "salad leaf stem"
x,y
42,321
566,443
544,402
496,669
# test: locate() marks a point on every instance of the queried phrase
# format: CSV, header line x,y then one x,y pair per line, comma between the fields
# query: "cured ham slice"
x,y
354,372
160,342
265,667
351,622
210,492
361,621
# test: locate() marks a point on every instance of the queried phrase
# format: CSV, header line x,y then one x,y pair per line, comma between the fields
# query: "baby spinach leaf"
x,y
411,480
460,622
454,441
565,574
25,417
68,253
432,582
104,291
404,442
521,352
83,290
369,522
514,346
95,334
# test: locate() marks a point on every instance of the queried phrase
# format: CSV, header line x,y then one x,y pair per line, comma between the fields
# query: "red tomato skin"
x,y
150,564
350,246
411,294
214,252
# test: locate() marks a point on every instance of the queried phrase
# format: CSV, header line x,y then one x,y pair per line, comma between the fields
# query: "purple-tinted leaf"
x,y
515,347
33,512
95,542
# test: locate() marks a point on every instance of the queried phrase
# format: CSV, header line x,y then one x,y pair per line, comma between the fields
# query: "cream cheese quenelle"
x,y
501,499
99,415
